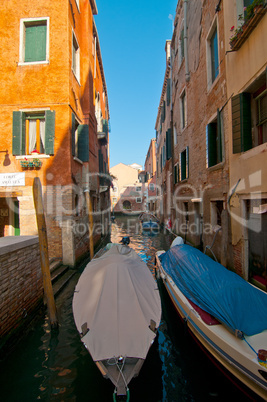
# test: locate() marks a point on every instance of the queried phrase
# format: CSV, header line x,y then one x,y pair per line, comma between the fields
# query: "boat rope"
x,y
250,346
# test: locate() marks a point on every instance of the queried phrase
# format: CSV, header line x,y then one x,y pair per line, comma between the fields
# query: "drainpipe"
x,y
187,75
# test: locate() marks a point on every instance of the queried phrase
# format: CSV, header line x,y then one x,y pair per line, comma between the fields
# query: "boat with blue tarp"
x,y
226,315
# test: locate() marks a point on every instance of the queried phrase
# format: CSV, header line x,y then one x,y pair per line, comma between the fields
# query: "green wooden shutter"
x,y
100,161
73,121
175,174
187,162
18,136
211,144
241,123
35,43
168,144
219,137
50,121
83,142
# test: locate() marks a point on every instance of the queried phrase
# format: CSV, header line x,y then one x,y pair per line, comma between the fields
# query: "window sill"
x,y
32,63
216,167
253,152
78,160
247,28
39,156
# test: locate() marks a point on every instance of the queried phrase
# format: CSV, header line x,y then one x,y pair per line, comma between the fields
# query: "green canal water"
x,y
54,365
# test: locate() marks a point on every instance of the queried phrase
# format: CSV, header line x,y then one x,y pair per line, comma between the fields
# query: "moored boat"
x,y
149,222
117,311
226,315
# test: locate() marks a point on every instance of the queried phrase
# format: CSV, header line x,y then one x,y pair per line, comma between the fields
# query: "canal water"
x,y
54,365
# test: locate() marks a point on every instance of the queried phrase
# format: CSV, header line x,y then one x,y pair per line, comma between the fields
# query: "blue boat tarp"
x,y
215,289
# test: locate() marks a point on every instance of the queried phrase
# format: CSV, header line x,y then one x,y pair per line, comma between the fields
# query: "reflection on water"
x,y
55,366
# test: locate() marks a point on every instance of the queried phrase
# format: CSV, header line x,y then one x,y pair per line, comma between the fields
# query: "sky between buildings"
x,y
132,36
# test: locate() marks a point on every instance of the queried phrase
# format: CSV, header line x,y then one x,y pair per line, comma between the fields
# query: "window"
x,y
212,55
34,43
183,110
168,144
138,188
174,136
151,186
249,120
78,4
138,200
80,140
184,164
176,173
214,142
75,57
33,131
216,212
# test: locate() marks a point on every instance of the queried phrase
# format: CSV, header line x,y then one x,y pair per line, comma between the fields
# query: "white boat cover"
x,y
117,296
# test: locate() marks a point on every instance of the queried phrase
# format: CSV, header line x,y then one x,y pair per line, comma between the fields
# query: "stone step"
x,y
63,280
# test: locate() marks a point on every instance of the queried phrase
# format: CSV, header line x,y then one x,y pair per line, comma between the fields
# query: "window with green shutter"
x,y
241,122
33,131
214,142
184,164
168,144
35,43
79,139
34,40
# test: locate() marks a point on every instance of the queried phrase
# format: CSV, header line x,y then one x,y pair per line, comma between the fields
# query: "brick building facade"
x,y
54,125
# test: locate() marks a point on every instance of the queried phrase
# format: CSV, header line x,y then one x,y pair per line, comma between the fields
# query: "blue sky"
x,y
132,36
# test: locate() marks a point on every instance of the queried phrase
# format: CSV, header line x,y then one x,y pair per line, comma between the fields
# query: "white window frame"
x,y
214,26
23,23
76,68
139,200
78,4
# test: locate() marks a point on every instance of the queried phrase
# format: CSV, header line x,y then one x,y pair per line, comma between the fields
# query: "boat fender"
x,y
163,277
239,334
152,326
85,329
262,357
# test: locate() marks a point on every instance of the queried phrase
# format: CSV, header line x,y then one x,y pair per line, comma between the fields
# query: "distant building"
x,y
128,195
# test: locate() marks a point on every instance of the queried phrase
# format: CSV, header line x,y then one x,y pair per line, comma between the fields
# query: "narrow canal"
x,y
55,366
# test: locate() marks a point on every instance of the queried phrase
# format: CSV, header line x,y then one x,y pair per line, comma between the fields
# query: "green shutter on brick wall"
x,y
168,144
18,134
241,123
50,121
219,137
83,142
73,121
211,144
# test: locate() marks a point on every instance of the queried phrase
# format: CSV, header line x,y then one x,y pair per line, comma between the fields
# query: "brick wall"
x,y
21,285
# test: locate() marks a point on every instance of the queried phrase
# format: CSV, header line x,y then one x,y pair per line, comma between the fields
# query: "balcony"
x,y
102,131
243,32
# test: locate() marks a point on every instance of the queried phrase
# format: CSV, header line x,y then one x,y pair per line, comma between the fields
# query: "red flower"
x,y
232,28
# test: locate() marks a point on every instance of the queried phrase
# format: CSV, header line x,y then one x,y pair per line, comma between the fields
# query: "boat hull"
x,y
117,311
225,350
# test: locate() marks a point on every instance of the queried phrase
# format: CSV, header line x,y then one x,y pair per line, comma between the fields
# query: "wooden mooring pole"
x,y
91,223
44,256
